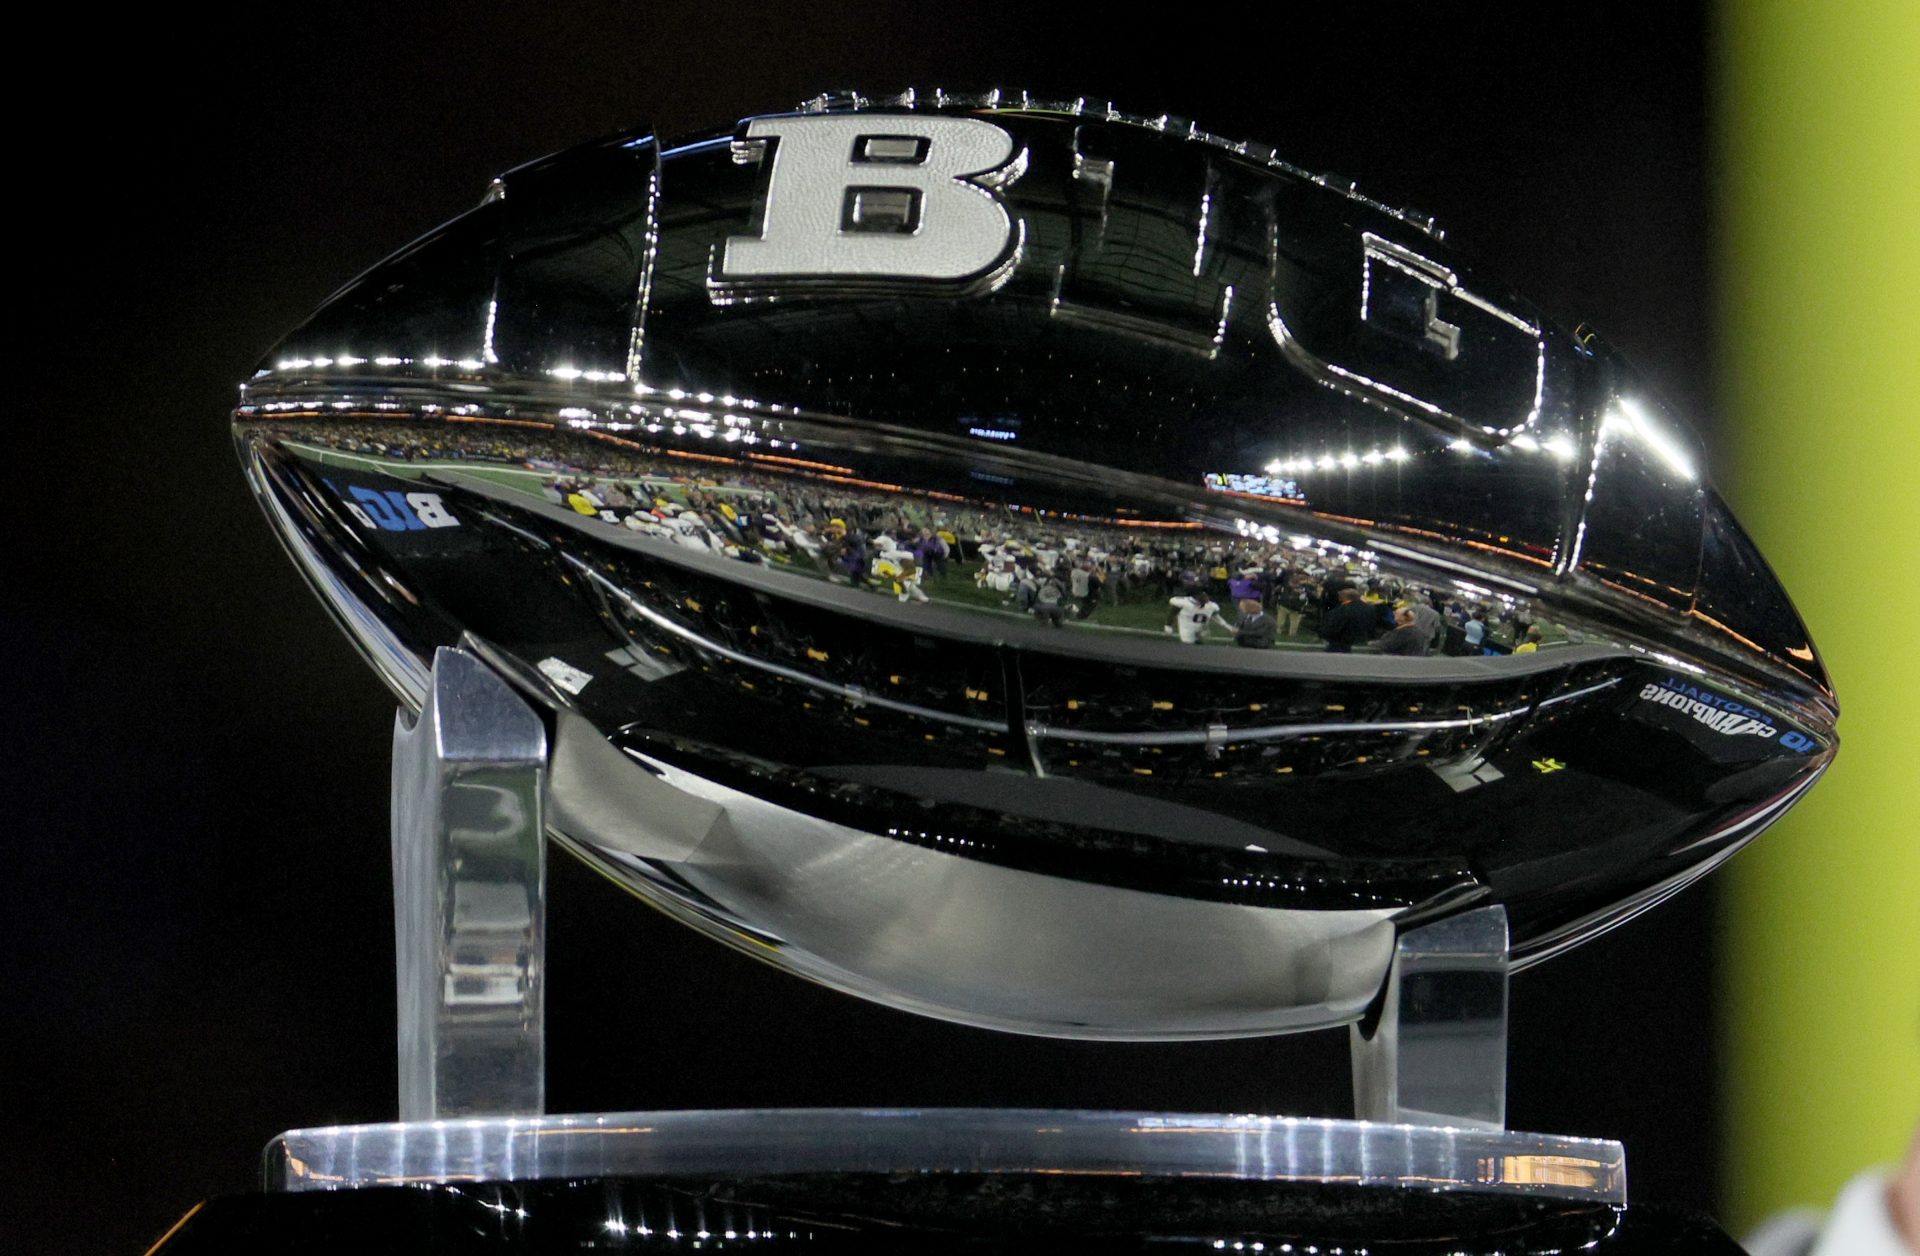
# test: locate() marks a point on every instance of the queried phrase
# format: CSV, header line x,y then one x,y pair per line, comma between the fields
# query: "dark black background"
x,y
196,931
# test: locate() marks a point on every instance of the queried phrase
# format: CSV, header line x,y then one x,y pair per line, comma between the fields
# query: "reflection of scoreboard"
x,y
1256,486
999,429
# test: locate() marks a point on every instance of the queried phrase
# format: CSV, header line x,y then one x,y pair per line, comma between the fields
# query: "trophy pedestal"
x,y
937,1180
476,1166
781,1143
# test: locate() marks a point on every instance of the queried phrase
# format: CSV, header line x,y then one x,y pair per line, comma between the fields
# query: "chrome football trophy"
x,y
1031,565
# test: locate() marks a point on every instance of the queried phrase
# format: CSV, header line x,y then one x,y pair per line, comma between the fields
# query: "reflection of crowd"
x,y
1277,592
411,442
892,543
880,542
1058,571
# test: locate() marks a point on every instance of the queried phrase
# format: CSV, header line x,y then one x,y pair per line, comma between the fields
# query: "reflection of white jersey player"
x,y
897,571
690,532
649,523
998,573
907,583
797,538
1192,615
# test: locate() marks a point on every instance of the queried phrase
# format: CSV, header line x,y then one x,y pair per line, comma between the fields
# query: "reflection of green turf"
x,y
1137,615
956,588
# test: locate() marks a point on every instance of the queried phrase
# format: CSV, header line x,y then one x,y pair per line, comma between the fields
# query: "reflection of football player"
x,y
895,570
645,521
909,584
1191,615
691,531
997,573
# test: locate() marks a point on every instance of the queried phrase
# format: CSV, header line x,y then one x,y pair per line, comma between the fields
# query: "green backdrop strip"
x,y
1818,119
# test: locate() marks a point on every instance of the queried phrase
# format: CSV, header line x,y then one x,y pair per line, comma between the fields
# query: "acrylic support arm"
x,y
469,896
1436,1051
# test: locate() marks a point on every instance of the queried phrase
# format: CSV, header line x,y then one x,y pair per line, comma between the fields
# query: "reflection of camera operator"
x,y
1046,602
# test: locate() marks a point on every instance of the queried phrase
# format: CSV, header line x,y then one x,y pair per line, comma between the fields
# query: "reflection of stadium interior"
x,y
725,630
823,518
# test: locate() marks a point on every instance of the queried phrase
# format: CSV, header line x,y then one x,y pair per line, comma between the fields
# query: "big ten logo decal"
x,y
391,510
1160,239
1393,325
1141,234
867,201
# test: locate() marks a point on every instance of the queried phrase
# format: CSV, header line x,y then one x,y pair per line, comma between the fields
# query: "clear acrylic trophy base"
x,y
469,860
966,1141
1431,1162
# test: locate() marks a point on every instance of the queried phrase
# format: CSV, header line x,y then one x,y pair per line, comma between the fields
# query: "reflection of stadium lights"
x,y
571,373
1348,459
1628,416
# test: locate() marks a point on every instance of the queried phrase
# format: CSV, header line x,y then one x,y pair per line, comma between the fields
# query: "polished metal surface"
x,y
469,896
1434,1052
943,600
748,1144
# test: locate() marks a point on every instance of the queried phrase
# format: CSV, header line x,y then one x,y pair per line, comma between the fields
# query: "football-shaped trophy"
x,y
1036,566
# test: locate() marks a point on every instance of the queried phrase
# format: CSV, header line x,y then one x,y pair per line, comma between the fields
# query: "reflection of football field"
x,y
956,588
1138,615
